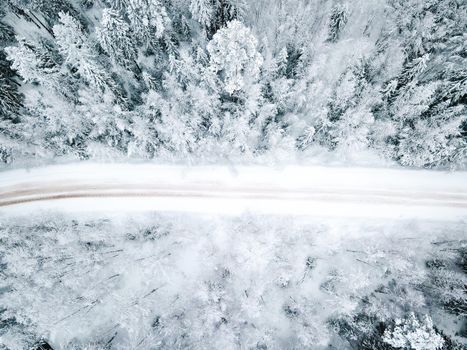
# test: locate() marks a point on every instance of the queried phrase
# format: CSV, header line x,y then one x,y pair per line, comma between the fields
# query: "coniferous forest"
x,y
234,79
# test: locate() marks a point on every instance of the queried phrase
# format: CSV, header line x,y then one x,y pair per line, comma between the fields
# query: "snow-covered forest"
x,y
250,282
234,79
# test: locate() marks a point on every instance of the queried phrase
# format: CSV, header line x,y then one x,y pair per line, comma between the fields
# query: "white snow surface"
x,y
291,190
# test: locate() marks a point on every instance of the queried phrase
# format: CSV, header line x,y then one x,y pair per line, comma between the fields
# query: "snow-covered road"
x,y
293,190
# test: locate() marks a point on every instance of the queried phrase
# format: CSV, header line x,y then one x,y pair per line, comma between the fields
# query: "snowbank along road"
x,y
317,191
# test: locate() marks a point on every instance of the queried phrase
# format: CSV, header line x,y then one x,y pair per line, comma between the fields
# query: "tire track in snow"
x,y
302,190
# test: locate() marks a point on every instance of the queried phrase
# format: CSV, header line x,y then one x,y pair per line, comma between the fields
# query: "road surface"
x,y
294,190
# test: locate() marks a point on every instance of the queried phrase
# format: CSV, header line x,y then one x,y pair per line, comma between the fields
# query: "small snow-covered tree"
x,y
226,11
175,127
349,116
412,333
27,63
10,99
281,62
202,11
148,19
76,51
234,55
427,142
338,20
115,37
48,9
108,123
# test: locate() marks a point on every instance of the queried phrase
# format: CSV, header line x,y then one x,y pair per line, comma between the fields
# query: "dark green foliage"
x,y
51,9
368,339
7,34
337,22
10,99
223,13
448,274
293,61
42,345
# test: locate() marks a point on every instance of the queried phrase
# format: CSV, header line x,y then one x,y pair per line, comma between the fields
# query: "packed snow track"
x,y
294,190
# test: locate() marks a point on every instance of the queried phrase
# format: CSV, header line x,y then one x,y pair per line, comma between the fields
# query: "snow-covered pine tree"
x,y
25,60
11,100
281,62
349,117
115,37
77,53
337,22
149,20
225,11
235,59
183,112
10,97
202,11
234,56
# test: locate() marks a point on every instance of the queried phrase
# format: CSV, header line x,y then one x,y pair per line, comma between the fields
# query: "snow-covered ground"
x,y
293,190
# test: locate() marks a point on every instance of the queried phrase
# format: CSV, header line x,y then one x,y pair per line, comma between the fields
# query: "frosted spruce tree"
x,y
115,37
148,20
202,11
77,52
26,61
234,56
